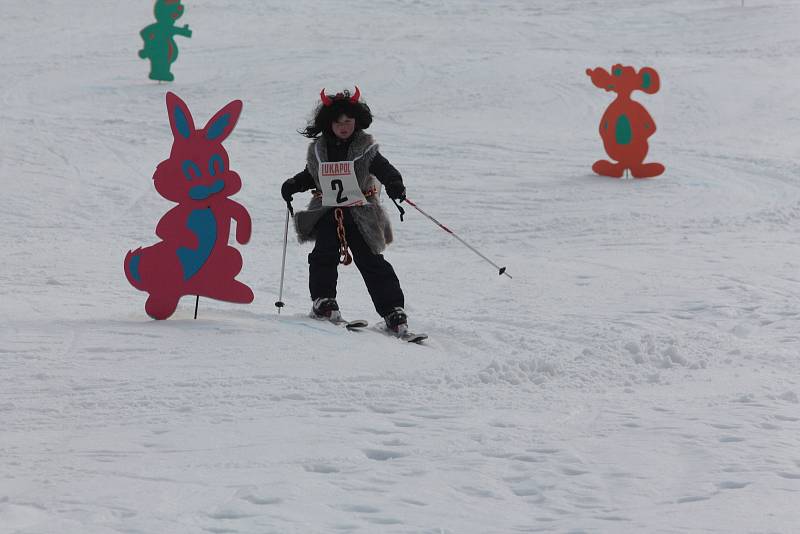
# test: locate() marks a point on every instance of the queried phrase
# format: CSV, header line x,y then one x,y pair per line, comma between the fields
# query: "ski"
x,y
412,337
405,335
352,325
358,324
338,320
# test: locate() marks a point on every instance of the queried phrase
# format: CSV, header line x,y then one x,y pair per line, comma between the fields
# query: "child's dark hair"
x,y
334,106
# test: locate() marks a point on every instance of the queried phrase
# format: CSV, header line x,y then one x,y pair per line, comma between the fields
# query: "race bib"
x,y
339,184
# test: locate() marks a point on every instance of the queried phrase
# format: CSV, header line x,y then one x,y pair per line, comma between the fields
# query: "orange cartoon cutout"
x,y
626,125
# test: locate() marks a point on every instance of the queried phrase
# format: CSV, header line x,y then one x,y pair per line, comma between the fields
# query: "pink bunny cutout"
x,y
193,257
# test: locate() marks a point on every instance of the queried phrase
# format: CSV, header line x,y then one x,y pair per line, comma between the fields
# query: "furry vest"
x,y
371,220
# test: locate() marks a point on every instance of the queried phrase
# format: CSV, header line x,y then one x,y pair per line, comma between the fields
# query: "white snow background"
x,y
638,374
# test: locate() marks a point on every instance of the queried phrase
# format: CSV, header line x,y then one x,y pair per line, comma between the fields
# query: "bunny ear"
x,y
180,118
650,82
221,125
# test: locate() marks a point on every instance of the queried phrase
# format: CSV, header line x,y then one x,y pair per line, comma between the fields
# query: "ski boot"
x,y
327,309
397,321
397,325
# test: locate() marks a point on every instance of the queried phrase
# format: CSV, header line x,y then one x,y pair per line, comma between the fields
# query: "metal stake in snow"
x,y
501,270
196,305
280,303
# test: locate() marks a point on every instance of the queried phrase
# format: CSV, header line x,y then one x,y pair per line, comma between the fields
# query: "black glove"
x,y
288,189
396,190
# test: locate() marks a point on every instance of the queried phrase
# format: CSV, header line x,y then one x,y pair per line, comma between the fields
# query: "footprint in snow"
x,y
360,508
324,469
229,513
692,498
547,451
571,471
404,424
381,455
477,492
731,484
382,409
261,501
527,458
383,521
730,439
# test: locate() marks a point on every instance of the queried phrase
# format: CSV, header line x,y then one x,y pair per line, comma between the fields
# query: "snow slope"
x,y
638,374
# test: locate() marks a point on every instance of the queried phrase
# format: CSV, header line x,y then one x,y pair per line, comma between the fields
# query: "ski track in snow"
x,y
638,374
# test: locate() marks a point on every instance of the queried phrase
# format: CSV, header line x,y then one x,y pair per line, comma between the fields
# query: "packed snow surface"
x,y
639,373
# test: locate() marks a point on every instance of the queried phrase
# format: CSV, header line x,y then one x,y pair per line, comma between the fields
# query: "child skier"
x,y
342,165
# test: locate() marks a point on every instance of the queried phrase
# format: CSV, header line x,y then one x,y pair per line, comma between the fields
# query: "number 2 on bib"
x,y
337,185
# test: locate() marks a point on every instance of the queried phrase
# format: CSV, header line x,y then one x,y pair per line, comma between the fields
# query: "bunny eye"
x,y
190,170
618,72
216,165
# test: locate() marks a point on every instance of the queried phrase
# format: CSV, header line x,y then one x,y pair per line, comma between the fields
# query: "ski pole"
x,y
501,270
280,303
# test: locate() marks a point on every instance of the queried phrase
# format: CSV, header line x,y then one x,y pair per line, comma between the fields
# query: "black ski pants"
x,y
379,276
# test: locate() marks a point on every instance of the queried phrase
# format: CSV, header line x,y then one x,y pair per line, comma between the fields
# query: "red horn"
x,y
326,100
356,96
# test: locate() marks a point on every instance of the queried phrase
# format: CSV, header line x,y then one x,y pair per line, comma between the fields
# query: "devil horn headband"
x,y
327,101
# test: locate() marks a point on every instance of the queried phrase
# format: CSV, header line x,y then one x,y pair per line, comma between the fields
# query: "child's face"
x,y
343,127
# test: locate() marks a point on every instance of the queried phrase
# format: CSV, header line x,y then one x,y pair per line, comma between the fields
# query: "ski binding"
x,y
406,335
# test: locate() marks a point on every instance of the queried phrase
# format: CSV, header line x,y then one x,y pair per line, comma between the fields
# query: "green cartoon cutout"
x,y
159,42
